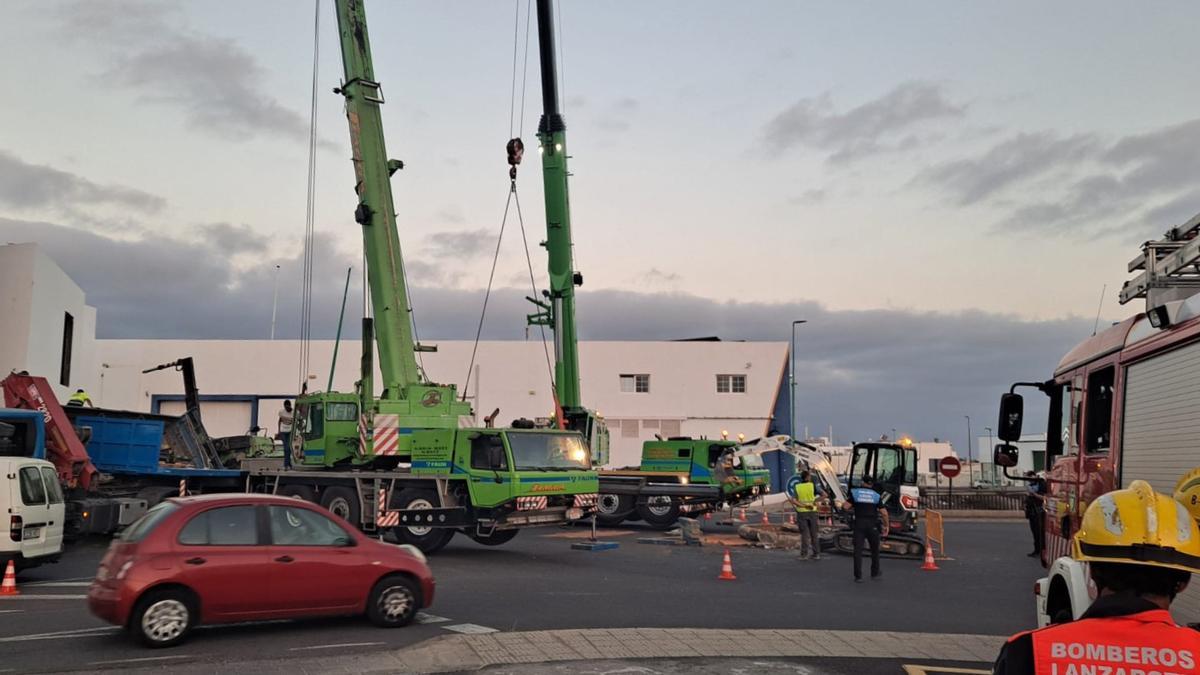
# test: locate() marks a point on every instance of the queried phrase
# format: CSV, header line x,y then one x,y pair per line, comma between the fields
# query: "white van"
x,y
30,493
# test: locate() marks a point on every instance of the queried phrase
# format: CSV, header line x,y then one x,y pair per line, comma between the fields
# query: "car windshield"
x,y
752,462
552,452
146,524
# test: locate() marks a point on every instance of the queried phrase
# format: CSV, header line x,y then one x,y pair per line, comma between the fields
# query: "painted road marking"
x,y
40,584
86,580
470,629
422,617
141,660
81,632
10,611
46,596
335,646
912,669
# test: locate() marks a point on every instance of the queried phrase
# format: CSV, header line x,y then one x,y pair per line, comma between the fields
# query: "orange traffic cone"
x,y
765,519
727,569
930,565
9,587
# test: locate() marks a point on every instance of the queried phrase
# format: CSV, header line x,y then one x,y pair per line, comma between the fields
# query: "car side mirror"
x,y
1005,455
1012,409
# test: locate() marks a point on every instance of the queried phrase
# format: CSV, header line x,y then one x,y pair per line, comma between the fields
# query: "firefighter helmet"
x,y
1141,527
1187,492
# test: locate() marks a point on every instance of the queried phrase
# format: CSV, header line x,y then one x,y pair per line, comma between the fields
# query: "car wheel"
x,y
393,602
496,538
613,509
659,511
428,539
343,503
163,618
302,492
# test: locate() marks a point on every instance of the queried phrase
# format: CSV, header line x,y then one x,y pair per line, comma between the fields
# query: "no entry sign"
x,y
950,467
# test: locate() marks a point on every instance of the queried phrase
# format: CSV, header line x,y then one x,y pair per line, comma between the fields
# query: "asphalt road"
x,y
538,582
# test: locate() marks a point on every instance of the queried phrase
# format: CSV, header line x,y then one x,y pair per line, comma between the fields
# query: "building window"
x,y
64,371
635,384
731,384
629,428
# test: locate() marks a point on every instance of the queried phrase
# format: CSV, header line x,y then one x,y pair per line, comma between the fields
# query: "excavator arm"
x,y
63,447
802,451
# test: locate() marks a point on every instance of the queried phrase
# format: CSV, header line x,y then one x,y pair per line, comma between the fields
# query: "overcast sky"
x,y
941,188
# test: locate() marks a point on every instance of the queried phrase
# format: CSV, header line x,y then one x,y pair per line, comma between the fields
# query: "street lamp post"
x,y
792,379
970,454
995,481
275,302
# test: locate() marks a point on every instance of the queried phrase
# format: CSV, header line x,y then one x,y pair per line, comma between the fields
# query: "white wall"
x,y
508,374
39,295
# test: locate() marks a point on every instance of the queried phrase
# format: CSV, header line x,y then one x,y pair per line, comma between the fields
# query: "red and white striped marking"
x,y
182,487
387,434
586,501
532,503
383,516
364,437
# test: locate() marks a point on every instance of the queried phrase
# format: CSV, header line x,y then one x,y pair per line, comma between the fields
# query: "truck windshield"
x,y
548,452
751,462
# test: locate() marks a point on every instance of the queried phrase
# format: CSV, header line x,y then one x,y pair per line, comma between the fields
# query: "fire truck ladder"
x,y
1170,263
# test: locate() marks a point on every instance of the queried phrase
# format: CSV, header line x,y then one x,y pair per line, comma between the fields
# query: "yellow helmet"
x,y
1187,492
1141,527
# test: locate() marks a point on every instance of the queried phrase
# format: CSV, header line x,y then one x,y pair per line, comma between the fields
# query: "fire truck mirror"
x,y
1005,455
1012,408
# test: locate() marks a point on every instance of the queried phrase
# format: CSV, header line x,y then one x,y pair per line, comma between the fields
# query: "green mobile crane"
x,y
409,461
558,308
657,491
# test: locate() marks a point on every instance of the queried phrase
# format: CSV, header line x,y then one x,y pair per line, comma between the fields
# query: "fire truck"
x,y
1122,405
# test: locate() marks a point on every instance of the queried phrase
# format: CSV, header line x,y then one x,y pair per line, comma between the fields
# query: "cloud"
x,y
28,186
1135,186
1010,162
233,239
462,244
657,277
450,214
616,116
861,371
217,84
810,197
885,124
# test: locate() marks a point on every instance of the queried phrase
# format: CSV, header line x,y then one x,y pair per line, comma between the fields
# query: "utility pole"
x,y
275,302
792,379
970,454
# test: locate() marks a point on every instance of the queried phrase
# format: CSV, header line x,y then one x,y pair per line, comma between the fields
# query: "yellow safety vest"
x,y
807,496
79,398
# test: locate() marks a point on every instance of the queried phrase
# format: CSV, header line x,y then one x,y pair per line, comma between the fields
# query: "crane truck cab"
x,y
893,467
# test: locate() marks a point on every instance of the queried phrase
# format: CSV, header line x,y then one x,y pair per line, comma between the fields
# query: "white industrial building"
x,y
681,388
678,388
48,328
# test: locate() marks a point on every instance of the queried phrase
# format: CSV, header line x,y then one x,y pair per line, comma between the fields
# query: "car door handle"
x,y
284,559
195,561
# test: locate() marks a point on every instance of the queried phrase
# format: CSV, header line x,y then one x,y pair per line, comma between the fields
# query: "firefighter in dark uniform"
x,y
869,517
1142,548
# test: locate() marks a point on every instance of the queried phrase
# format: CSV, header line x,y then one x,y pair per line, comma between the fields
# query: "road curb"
x,y
455,653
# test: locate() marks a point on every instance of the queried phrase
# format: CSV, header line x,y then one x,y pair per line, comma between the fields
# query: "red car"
x,y
225,558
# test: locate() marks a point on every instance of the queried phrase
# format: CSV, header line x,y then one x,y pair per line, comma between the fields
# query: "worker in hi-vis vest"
x,y
803,493
1141,548
80,399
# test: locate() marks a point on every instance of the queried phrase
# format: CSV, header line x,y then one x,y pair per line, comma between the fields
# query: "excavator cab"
x,y
893,468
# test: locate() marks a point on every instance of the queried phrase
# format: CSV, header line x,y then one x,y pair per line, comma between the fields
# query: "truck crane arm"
x,y
63,447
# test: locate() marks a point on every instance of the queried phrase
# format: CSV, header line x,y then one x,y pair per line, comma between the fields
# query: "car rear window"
x,y
146,524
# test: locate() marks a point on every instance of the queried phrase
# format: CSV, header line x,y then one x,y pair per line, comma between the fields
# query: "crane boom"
x,y
376,212
552,135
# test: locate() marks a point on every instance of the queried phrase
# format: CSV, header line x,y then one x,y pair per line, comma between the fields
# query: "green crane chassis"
x,y
679,475
484,483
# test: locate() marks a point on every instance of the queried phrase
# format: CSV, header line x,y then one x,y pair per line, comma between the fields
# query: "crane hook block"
x,y
516,150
